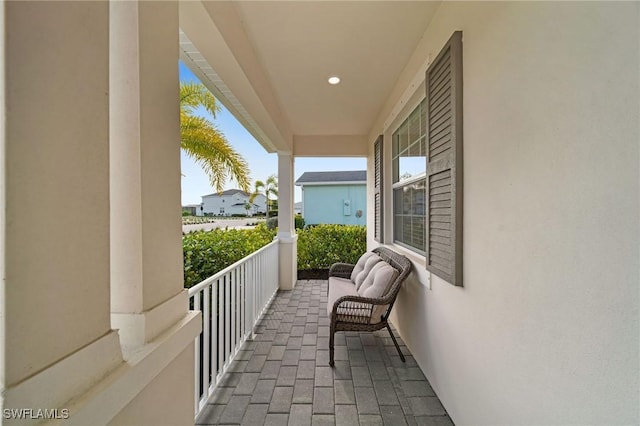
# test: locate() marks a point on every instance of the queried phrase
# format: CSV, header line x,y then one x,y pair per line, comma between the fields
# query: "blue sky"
x,y
195,182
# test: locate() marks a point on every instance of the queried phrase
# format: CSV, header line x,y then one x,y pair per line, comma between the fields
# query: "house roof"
x,y
229,192
332,178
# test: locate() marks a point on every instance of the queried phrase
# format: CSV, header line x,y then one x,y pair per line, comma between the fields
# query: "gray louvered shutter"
x,y
444,162
377,184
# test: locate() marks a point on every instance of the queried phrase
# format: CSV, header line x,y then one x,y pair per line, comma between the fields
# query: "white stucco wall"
x,y
154,405
545,330
55,145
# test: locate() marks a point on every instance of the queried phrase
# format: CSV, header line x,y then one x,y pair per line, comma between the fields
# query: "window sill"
x,y
419,262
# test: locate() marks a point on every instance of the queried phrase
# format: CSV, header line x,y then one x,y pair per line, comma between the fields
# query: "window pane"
x,y
394,145
406,200
403,138
409,147
414,126
409,215
417,232
418,198
409,161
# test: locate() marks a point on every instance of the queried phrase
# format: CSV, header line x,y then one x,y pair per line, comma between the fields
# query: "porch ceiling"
x,y
285,52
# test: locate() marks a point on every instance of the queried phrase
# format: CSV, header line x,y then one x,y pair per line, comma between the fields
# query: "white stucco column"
x,y
147,292
56,340
286,225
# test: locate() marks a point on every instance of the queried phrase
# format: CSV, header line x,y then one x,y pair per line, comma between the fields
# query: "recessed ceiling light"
x,y
334,80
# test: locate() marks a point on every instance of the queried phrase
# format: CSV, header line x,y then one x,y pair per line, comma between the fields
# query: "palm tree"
x,y
268,188
205,143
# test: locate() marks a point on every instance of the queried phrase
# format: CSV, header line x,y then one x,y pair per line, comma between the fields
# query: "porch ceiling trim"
x,y
215,46
330,146
201,68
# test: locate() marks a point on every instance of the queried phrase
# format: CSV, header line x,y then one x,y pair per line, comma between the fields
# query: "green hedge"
x,y
321,245
208,252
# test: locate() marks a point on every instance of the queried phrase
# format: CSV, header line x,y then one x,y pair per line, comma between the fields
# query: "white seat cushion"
x,y
360,265
339,287
352,312
368,266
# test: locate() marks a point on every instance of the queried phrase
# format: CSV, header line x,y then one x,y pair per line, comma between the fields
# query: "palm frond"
x,y
203,142
193,95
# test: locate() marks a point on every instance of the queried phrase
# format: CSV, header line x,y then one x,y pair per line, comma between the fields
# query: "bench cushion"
x,y
379,281
383,277
368,266
360,264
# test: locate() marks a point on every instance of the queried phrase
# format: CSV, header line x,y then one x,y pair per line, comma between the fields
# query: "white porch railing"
x,y
232,302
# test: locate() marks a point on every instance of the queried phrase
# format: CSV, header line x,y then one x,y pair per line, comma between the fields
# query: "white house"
x,y
232,201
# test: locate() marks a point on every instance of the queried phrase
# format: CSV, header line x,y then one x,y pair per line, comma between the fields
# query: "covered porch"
x,y
282,376
543,329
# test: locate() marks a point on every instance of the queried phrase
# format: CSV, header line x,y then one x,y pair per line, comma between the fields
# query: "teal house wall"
x,y
326,204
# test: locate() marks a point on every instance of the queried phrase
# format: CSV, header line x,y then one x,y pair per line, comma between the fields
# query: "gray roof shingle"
x,y
333,177
229,192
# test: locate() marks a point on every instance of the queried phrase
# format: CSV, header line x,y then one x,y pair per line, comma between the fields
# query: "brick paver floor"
x,y
283,376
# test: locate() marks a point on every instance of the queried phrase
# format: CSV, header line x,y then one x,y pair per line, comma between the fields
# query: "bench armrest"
x,y
356,309
342,270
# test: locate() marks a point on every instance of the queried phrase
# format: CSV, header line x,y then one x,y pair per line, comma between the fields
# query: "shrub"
x,y
273,213
208,252
322,245
272,223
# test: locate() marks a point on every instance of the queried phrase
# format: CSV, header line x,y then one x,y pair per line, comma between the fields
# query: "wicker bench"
x,y
351,311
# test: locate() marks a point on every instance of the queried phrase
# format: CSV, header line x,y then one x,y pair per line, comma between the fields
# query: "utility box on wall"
x,y
346,207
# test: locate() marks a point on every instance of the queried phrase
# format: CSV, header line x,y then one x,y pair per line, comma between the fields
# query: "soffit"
x,y
300,44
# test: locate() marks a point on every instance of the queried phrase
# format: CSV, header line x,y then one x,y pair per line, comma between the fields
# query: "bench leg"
x,y
332,333
395,342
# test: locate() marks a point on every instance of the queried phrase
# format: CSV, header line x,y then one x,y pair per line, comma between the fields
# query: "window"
x,y
427,169
409,167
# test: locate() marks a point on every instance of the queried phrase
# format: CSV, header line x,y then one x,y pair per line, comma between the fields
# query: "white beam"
x,y
330,146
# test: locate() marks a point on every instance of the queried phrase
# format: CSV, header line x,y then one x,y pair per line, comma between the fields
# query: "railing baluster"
x,y
234,308
227,320
205,343
243,322
214,336
198,372
221,355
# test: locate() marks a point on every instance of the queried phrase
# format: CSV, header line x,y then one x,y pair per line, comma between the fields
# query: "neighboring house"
x,y
232,202
334,197
193,209
297,207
